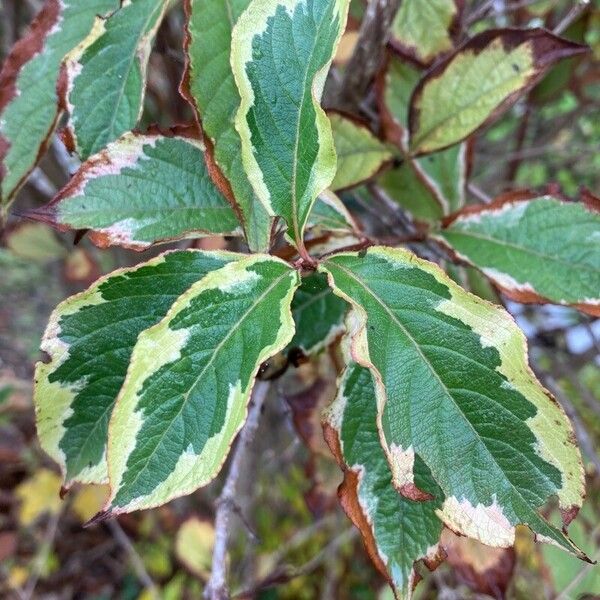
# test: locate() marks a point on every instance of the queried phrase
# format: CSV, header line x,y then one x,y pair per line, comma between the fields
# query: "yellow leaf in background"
x,y
89,500
194,544
17,577
38,495
36,242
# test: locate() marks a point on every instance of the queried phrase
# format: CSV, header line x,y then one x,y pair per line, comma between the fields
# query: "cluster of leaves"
x,y
438,421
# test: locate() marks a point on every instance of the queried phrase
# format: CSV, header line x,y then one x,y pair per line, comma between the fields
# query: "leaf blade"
x,y
210,87
360,155
106,79
28,81
76,390
141,190
516,60
462,362
497,239
423,31
287,145
163,444
397,532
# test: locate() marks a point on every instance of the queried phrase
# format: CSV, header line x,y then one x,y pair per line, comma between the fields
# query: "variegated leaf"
x,y
427,187
89,341
516,243
360,154
28,85
478,82
318,314
454,389
432,186
424,30
106,76
211,89
190,378
281,53
329,214
397,532
140,190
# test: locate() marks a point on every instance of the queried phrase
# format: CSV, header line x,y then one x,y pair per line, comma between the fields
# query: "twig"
x,y
369,53
572,16
478,193
42,555
217,588
286,573
136,562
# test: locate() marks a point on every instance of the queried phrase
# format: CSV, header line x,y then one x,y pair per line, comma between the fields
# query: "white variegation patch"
x,y
487,524
402,463
53,400
510,212
156,347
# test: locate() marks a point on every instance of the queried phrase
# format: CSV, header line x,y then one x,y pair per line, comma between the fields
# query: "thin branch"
x,y
580,7
285,573
369,53
42,556
217,588
136,562
478,193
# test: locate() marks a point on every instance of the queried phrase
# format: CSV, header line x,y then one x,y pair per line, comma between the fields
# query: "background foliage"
x,y
293,539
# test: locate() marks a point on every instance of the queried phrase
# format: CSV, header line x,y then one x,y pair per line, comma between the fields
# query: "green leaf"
x,y
534,249
454,389
89,341
424,30
211,89
190,378
479,81
396,531
281,52
106,76
318,314
360,154
28,100
405,186
395,87
429,187
140,190
329,214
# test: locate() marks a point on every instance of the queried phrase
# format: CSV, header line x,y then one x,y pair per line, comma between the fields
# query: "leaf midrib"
x,y
524,249
192,386
435,374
